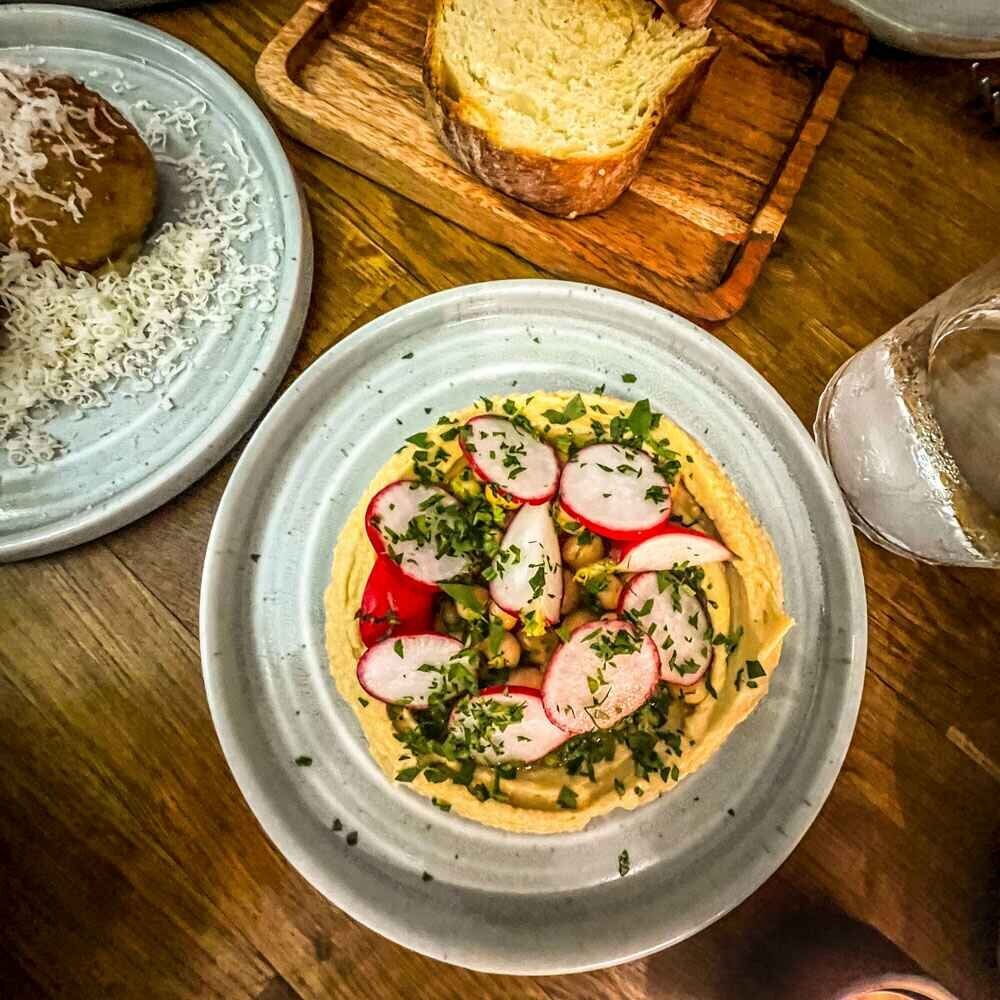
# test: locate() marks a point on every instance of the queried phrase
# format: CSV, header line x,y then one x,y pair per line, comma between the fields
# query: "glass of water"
x,y
911,428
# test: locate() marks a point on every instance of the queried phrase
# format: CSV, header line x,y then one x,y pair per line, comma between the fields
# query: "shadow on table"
x,y
807,952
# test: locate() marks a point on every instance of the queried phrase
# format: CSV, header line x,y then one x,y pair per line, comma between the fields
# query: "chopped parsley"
x,y
623,864
303,761
567,797
730,641
640,419
754,672
573,410
657,494
628,378
465,596
421,440
480,723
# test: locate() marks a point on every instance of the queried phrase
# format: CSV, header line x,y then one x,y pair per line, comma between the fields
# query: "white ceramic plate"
x,y
128,458
499,901
957,28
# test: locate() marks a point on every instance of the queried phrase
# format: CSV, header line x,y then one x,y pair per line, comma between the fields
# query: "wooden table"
x,y
131,866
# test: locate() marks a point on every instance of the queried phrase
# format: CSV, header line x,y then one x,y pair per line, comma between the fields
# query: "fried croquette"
x,y
91,183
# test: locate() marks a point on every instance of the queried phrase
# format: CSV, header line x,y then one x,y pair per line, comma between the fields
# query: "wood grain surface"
x,y
699,220
130,865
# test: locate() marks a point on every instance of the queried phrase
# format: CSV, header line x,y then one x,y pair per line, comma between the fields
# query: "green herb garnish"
x,y
464,595
573,410
567,798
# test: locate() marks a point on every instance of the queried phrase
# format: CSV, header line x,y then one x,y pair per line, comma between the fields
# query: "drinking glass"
x,y
911,428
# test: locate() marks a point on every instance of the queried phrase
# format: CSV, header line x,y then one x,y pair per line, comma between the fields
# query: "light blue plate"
x,y
128,458
961,29
499,901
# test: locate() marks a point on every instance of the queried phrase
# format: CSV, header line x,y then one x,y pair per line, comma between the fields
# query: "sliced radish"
x,y
615,492
388,518
589,685
487,723
672,545
529,567
392,604
677,623
408,669
501,453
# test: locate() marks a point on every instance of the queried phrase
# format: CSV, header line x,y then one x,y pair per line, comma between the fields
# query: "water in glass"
x,y
911,428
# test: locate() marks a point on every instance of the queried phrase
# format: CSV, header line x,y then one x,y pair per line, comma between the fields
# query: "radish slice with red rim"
x,y
506,455
410,669
605,672
403,521
673,545
506,724
677,623
529,565
392,604
615,492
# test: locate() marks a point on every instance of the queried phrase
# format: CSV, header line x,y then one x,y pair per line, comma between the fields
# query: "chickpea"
x,y
610,593
582,550
482,596
526,677
577,618
566,524
538,648
508,655
449,615
507,620
693,694
571,593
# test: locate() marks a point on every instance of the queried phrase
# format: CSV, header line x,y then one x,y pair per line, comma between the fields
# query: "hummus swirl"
x,y
743,598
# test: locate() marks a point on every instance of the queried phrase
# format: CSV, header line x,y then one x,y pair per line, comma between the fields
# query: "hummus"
x,y
743,598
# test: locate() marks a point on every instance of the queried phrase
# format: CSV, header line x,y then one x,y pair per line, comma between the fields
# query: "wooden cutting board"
x,y
699,220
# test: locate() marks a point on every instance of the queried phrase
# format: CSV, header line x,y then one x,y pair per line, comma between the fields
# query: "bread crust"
x,y
562,186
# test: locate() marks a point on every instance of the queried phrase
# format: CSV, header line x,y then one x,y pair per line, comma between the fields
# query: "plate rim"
x,y
276,827
167,481
892,27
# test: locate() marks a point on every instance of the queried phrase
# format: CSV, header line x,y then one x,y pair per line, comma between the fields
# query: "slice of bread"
x,y
556,102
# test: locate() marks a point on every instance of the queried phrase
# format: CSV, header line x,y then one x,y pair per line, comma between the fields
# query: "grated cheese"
x,y
70,338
